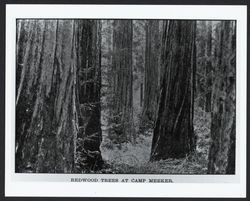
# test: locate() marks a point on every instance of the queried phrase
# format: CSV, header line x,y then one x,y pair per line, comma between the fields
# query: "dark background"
x,y
134,2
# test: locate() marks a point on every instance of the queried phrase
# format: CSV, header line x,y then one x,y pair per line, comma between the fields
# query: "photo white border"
x,y
59,185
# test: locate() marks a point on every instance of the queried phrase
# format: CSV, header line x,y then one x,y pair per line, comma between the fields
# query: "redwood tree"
x,y
201,64
222,149
151,70
209,68
88,48
122,110
173,133
47,98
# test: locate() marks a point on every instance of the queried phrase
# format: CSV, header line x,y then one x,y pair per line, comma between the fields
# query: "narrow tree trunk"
x,y
201,80
209,67
151,70
89,62
222,150
173,133
122,79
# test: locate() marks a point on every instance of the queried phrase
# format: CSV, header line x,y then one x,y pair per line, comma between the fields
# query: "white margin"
x,y
187,185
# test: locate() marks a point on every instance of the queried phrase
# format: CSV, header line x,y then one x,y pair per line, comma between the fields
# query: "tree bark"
x,y
45,103
122,79
173,133
201,77
151,88
47,100
222,149
89,62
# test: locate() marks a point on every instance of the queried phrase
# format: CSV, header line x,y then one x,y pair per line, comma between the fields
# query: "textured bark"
x,y
45,102
89,62
173,133
48,96
201,54
122,79
151,88
222,150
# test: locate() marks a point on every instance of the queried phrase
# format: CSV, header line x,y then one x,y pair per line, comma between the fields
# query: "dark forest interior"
x,y
125,96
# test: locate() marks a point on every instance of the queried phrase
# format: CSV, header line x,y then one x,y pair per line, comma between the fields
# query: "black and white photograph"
x,y
125,100
125,96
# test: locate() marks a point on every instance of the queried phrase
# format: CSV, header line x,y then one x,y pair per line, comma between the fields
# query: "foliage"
x,y
134,158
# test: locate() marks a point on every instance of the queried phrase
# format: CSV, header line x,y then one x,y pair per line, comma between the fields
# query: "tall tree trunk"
x,y
209,67
47,100
46,113
151,90
122,79
173,133
201,79
89,62
222,150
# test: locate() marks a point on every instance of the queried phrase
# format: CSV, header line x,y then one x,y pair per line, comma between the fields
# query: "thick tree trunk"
x,y
47,101
173,133
89,62
222,150
46,116
122,79
151,88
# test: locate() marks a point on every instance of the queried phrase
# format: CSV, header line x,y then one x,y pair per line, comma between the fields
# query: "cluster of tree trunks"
x,y
173,132
58,84
47,98
122,111
222,150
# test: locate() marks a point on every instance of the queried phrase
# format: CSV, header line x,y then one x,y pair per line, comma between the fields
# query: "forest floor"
x,y
134,158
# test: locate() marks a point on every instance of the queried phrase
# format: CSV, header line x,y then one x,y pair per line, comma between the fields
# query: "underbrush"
x,y
189,165
134,158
